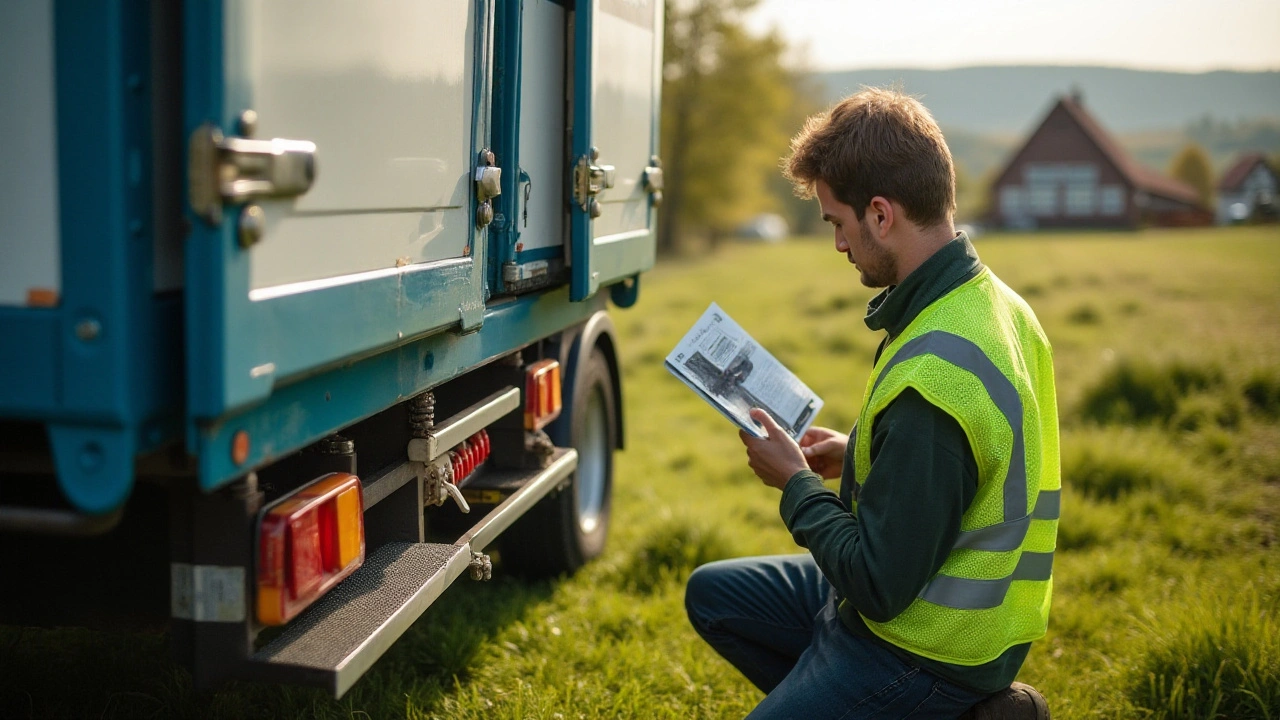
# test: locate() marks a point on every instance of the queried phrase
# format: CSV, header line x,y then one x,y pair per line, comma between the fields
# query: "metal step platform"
x,y
336,640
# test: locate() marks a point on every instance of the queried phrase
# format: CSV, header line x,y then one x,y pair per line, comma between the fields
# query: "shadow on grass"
x,y
81,673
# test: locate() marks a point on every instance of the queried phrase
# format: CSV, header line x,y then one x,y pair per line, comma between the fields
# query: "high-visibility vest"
x,y
979,354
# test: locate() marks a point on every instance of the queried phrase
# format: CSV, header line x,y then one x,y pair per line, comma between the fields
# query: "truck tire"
x,y
569,527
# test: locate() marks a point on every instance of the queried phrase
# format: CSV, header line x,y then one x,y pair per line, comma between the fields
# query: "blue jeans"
x,y
774,618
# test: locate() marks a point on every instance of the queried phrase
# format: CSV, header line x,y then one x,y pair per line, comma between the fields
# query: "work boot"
x,y
1018,702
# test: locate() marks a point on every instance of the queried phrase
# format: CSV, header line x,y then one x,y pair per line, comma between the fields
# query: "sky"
x,y
1180,35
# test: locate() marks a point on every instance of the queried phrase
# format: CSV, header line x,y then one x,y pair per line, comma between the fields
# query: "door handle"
x,y
234,170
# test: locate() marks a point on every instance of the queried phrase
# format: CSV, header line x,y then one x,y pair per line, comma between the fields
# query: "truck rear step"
x,y
340,637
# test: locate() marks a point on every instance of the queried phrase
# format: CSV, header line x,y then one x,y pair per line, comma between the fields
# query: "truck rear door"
x,y
333,151
616,76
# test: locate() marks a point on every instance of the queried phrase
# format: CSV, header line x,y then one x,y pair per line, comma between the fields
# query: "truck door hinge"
x,y
233,170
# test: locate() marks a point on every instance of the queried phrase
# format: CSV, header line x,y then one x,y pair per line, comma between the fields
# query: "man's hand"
x,y
824,450
775,458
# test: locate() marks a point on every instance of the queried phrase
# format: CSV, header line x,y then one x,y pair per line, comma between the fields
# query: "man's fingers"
x,y
770,425
824,450
826,446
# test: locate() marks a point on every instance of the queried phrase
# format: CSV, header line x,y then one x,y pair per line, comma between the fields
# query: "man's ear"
x,y
882,215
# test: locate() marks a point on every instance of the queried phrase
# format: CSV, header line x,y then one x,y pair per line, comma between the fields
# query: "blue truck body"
x,y
174,331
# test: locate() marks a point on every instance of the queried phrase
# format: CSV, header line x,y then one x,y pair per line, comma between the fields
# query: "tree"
x,y
1191,166
724,94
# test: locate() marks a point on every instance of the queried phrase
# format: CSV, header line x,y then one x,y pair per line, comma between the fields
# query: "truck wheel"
x,y
568,528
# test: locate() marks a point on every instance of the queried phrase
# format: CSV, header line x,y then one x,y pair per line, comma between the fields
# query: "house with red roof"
x,y
1070,173
1247,190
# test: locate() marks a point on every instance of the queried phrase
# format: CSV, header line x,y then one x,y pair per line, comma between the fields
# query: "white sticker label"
x,y
180,590
206,593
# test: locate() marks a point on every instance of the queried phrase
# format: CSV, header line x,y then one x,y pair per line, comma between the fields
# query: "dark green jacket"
x,y
881,558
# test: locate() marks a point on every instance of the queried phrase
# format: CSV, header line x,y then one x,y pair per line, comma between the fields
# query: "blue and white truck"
x,y
304,309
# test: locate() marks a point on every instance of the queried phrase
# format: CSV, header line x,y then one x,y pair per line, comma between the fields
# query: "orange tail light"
x,y
541,394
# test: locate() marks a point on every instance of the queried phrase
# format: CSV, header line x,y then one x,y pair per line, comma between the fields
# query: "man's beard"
x,y
879,267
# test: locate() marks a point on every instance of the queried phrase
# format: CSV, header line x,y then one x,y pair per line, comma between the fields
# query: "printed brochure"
x,y
733,373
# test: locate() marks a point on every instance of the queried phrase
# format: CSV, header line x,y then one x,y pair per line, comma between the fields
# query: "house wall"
x,y
1260,184
1172,212
1061,178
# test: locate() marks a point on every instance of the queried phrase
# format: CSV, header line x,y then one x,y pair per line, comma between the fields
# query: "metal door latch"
x,y
488,186
653,180
235,170
439,485
589,180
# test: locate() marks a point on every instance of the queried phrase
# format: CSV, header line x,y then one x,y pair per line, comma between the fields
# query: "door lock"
x,y
234,170
589,180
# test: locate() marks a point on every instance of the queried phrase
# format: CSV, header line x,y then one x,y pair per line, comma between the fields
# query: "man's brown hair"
x,y
876,142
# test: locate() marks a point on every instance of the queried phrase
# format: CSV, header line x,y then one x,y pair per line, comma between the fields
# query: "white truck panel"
x,y
385,91
29,229
623,112
542,124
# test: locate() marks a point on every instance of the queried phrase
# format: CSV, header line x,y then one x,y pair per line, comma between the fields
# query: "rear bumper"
x,y
336,640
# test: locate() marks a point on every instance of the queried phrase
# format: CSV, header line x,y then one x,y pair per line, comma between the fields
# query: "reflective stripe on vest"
x,y
965,355
966,593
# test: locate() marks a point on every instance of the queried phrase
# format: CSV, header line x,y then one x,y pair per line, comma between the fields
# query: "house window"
x,y
1036,173
1111,200
1081,174
1011,201
1043,198
1081,199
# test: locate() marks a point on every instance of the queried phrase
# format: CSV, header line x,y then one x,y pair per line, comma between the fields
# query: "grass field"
x,y
1167,580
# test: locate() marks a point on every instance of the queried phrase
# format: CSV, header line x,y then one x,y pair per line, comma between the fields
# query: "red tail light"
x,y
308,543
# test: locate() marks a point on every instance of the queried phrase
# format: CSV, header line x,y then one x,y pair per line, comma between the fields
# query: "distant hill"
x,y
986,112
1010,100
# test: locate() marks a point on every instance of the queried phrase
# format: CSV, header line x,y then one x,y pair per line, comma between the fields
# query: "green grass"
x,y
1167,352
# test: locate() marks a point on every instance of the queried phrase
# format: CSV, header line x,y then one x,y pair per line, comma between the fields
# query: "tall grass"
x,y
1167,570
1218,658
1111,463
1139,391
1263,392
668,553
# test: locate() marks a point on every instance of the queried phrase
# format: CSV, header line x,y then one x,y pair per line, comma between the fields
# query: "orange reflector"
x,y
240,447
42,297
307,543
541,394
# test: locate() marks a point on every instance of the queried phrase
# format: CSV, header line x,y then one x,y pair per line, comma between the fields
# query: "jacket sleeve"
x,y
922,478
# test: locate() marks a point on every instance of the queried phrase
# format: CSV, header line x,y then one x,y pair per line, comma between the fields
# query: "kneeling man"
x,y
929,574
